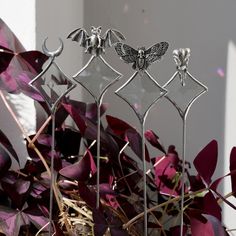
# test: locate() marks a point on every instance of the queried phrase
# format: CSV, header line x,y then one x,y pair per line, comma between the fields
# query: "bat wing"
x,y
79,35
155,52
111,37
127,53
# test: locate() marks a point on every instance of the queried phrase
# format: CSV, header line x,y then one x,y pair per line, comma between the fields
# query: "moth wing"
x,y
111,37
127,53
79,35
155,52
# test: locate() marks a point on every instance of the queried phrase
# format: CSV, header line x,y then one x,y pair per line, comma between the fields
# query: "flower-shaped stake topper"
x,y
97,75
183,90
53,85
141,91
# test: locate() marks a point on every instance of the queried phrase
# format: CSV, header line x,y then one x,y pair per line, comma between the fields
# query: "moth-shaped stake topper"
x,y
141,58
95,43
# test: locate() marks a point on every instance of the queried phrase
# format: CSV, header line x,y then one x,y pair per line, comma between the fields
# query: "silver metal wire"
x,y
98,154
52,106
142,119
52,182
144,178
181,57
98,100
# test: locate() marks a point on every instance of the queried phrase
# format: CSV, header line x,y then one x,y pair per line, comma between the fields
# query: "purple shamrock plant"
x,y
24,192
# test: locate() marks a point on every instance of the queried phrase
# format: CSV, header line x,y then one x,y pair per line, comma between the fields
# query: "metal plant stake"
x,y
53,85
97,75
141,92
183,90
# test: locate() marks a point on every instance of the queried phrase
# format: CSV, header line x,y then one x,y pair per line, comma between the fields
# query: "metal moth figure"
x,y
95,43
141,58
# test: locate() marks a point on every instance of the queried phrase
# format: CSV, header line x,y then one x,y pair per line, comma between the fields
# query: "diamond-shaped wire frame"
x,y
182,95
96,76
141,92
52,84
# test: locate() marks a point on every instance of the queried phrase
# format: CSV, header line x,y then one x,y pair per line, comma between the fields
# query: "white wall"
x,y
20,17
205,26
230,126
56,19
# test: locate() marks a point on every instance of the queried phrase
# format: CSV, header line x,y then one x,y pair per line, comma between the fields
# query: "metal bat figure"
x,y
141,58
95,43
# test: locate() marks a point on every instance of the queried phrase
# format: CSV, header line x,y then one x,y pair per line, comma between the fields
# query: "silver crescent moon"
x,y
55,53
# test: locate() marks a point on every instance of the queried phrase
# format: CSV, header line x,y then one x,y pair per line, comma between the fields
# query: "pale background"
x,y
206,26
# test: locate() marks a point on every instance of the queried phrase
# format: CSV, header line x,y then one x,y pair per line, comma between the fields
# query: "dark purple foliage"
x,y
18,67
11,220
232,168
165,171
81,170
5,161
154,140
8,146
24,193
210,206
206,160
135,141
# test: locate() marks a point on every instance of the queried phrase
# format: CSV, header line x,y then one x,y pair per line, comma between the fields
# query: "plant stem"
x,y
130,222
31,145
41,129
225,197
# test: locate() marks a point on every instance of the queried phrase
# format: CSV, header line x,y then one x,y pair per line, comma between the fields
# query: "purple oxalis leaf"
x,y
81,170
5,58
201,228
206,160
210,206
135,142
165,172
8,146
16,62
88,195
175,231
11,220
17,191
5,161
119,127
100,224
76,117
36,216
232,167
153,139
91,110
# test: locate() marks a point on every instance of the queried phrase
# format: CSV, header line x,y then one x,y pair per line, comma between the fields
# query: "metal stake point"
x,y
183,83
52,89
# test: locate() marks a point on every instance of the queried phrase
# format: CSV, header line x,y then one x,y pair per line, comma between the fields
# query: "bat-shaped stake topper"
x,y
141,58
95,43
